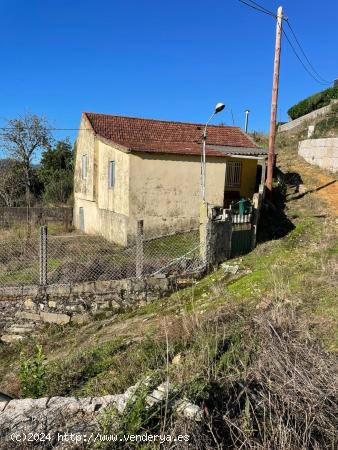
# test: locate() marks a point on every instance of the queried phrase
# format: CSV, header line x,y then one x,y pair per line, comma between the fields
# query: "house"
x,y
129,169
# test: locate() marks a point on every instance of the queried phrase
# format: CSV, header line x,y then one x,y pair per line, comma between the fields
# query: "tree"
x,y
12,188
56,172
22,139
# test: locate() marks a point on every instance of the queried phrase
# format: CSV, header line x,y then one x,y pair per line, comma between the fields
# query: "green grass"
x,y
172,246
54,263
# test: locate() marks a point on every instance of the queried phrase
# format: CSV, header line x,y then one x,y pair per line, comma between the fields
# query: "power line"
x,y
262,10
304,54
302,63
315,75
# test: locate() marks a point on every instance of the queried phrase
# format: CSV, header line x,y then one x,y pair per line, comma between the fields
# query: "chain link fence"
x,y
59,259
20,218
19,261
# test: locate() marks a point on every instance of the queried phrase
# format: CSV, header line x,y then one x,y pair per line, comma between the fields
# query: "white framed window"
x,y
111,174
84,166
233,174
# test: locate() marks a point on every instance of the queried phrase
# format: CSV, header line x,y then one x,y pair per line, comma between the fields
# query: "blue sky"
x,y
159,59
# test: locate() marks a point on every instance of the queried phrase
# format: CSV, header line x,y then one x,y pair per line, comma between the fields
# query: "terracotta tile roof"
x,y
159,136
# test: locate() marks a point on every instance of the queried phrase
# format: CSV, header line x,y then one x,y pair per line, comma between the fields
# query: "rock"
x,y
159,394
28,316
20,328
103,402
76,415
189,410
80,319
230,269
60,319
10,338
302,189
29,304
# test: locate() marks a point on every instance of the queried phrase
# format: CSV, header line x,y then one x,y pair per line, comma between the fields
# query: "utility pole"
x,y
275,82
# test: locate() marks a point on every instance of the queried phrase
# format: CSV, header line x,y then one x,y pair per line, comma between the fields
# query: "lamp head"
x,y
219,107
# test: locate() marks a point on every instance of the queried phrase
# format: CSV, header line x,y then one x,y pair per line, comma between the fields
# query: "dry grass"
x,y
275,396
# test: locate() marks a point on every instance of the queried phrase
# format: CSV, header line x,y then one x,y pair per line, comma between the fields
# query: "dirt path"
x,y
320,183
326,186
329,193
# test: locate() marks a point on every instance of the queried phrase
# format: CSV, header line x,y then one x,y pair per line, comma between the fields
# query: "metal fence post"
x,y
139,249
43,255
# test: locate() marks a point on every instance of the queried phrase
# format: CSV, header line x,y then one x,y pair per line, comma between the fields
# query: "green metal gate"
x,y
241,240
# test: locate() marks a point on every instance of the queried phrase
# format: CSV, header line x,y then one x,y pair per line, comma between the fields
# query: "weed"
x,y
33,374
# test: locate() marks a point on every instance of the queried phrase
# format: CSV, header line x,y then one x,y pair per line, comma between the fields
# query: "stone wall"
x,y
69,423
23,309
218,241
320,152
307,118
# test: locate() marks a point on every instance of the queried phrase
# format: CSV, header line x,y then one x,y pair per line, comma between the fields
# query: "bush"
x,y
32,374
313,102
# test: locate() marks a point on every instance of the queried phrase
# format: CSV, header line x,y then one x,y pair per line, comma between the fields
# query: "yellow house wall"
x,y
249,169
248,181
105,209
117,198
85,145
110,225
165,189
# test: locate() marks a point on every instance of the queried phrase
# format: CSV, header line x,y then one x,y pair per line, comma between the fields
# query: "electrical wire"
x,y
304,54
302,63
258,9
263,8
315,75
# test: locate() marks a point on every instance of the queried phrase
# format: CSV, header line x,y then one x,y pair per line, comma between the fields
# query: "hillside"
x,y
313,102
253,345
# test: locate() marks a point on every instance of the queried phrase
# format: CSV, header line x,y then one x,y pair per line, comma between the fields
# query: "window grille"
x,y
233,174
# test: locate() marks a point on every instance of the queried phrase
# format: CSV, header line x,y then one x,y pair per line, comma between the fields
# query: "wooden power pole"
x,y
275,82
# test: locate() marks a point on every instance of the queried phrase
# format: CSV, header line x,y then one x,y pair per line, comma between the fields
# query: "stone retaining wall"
x,y
294,124
321,152
22,309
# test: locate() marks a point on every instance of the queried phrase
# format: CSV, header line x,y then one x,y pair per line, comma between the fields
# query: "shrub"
x,y
313,102
32,374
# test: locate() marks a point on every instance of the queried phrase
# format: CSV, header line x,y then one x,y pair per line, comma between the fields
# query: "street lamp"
x,y
218,108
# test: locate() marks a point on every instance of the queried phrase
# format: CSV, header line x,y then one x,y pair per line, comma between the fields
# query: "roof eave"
x,y
111,143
